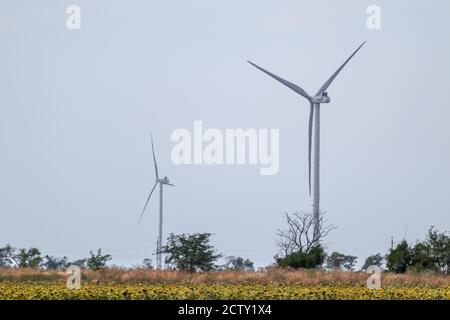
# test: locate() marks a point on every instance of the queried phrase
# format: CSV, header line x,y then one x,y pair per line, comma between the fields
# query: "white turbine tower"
x,y
161,182
314,121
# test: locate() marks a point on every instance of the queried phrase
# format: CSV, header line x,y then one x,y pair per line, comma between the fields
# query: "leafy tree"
x,y
239,263
373,260
28,258
399,258
55,263
439,249
421,257
7,255
190,252
98,260
340,261
314,258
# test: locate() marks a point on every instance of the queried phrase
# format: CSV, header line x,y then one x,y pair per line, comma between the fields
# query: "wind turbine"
x,y
314,121
161,182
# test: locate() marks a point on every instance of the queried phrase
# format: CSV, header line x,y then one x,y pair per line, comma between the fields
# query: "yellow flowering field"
x,y
55,290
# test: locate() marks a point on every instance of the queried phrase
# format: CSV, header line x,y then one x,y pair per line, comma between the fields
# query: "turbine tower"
x,y
161,182
314,123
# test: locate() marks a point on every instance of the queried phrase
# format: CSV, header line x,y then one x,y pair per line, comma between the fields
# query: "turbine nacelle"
x,y
164,180
321,98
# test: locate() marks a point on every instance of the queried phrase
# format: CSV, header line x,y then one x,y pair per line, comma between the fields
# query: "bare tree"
x,y
299,235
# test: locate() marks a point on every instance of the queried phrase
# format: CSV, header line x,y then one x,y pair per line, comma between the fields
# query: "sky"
x,y
77,108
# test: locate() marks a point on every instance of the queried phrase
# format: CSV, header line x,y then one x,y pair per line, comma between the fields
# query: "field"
x,y
113,291
272,284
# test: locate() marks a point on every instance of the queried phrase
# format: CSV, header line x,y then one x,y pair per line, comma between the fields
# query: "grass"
x,y
269,276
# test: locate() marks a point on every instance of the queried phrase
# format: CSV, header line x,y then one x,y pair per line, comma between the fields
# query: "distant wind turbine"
x,y
161,182
314,120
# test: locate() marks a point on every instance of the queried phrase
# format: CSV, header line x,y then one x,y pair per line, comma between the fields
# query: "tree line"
x,y
297,249
32,258
185,252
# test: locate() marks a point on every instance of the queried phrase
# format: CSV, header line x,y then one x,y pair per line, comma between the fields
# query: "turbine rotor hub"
x,y
321,98
163,180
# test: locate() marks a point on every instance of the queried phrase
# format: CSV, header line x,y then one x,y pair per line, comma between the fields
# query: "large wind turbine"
x,y
314,121
161,182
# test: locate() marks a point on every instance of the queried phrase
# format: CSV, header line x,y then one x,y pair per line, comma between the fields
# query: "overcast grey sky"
x,y
77,108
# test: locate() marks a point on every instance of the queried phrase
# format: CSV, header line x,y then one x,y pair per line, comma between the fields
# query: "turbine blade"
x,y
310,127
334,75
154,159
148,199
170,184
288,84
